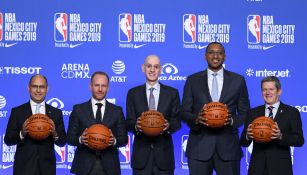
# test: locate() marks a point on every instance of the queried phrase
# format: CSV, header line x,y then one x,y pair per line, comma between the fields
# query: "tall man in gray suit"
x,y
97,110
273,158
214,149
153,155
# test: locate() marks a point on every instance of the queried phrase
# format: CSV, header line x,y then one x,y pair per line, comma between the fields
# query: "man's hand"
x,y
249,133
200,119
166,125
276,132
138,124
53,129
112,139
84,137
25,129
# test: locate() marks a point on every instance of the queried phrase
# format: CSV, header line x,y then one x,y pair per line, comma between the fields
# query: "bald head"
x,y
152,69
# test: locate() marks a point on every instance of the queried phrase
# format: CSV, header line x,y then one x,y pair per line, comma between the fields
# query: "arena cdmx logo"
x,y
169,72
118,67
2,105
75,71
264,73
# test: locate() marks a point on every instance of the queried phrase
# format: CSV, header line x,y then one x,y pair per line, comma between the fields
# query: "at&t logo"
x,y
118,67
2,105
169,72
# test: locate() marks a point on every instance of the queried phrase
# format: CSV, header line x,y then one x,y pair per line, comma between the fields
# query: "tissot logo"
x,y
264,73
20,70
301,108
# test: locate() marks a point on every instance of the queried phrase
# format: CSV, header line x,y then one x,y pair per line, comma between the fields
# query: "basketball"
x,y
98,137
215,113
262,129
152,123
39,126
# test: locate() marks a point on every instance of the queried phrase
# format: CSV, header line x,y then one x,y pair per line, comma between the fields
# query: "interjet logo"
x,y
264,73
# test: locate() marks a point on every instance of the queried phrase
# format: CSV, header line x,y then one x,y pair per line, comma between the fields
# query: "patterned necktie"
x,y
98,113
215,89
152,105
271,111
37,109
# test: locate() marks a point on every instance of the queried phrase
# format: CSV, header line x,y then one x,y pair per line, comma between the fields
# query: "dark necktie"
x,y
152,105
271,111
98,113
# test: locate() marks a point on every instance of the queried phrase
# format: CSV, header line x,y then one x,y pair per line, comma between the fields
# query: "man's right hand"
x,y
84,137
201,119
249,133
25,129
138,124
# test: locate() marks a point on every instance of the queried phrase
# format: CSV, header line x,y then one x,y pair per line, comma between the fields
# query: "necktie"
x,y
152,105
98,113
214,90
38,106
271,111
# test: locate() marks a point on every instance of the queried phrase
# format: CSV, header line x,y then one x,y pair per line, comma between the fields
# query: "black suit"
x,y
162,145
33,156
82,117
204,142
274,157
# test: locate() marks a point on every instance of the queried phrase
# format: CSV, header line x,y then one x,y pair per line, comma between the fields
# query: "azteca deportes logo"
x,y
118,67
169,72
57,103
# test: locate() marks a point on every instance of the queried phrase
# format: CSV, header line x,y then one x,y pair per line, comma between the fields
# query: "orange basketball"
x,y
215,113
39,126
262,129
152,122
98,137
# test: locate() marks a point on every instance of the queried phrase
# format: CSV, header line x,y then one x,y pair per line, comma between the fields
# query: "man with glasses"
x,y
153,155
34,157
214,149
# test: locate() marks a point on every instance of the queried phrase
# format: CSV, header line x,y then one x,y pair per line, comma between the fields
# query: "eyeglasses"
x,y
149,66
219,53
38,86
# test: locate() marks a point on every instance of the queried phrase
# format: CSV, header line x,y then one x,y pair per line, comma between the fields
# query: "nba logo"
x,y
184,141
60,154
189,28
124,155
248,152
1,26
253,29
125,27
60,27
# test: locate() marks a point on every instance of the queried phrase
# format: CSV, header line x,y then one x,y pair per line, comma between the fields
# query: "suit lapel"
x,y
280,112
161,97
107,115
28,110
203,83
226,83
89,113
144,97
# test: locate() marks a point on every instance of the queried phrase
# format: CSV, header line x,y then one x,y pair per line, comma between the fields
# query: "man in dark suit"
x,y
214,149
87,161
273,158
35,157
153,155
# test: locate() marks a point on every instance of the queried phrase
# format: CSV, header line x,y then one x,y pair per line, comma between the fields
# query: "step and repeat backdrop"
x,y
68,40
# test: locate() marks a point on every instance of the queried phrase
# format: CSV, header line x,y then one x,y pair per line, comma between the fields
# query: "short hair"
x,y
99,73
37,75
271,79
212,43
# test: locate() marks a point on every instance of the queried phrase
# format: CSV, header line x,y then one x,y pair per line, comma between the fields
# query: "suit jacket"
x,y
30,153
169,106
82,117
203,142
275,154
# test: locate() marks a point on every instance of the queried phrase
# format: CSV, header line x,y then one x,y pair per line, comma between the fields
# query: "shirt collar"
x,y
32,103
94,101
219,73
155,86
275,105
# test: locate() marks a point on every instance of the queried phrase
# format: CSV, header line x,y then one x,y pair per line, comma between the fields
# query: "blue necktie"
x,y
215,89
271,111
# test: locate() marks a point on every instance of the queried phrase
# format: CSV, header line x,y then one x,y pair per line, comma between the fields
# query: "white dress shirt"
x,y
219,77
